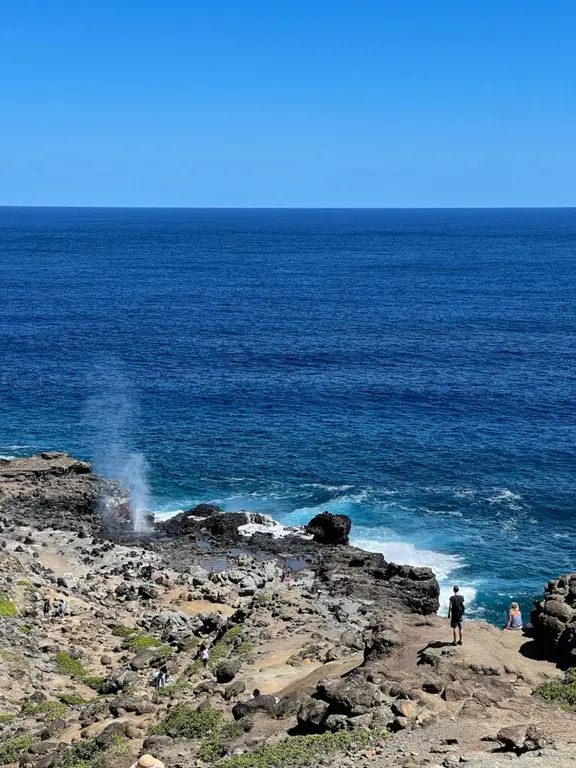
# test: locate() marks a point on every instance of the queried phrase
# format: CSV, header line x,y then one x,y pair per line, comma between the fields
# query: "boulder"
x,y
264,704
148,592
234,690
350,572
350,696
522,738
227,671
554,618
312,712
131,704
188,522
327,528
118,680
404,708
143,659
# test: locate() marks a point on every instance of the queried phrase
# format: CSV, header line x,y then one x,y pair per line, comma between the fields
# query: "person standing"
x,y
47,607
456,610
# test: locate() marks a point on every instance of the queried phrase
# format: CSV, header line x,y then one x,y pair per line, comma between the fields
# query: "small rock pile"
x,y
554,617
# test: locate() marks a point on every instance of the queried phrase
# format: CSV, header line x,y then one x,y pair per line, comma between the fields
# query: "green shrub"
x,y
220,741
68,665
25,630
120,631
7,608
186,722
218,653
297,751
93,681
26,583
7,718
51,709
12,749
263,597
72,699
141,642
244,648
89,754
562,690
231,634
310,651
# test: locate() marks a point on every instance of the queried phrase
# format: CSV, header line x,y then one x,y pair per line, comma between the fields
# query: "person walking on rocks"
x,y
456,614
204,655
61,610
47,607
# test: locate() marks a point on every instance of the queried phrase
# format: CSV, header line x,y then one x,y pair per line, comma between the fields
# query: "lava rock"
x,y
327,528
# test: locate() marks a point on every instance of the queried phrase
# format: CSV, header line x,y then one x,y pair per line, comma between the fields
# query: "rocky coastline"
x,y
352,664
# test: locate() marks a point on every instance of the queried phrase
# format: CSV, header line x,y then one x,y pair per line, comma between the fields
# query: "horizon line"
x,y
297,208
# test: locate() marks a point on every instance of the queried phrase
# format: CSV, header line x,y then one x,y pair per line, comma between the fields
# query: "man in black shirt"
x,y
456,614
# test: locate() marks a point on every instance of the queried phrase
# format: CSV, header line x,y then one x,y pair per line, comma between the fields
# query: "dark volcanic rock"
x,y
189,522
54,489
265,704
330,529
227,671
225,526
554,618
207,520
354,573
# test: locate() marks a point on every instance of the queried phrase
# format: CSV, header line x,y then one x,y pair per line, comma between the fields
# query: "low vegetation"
x,y
68,665
89,754
217,734
52,710
298,751
186,722
562,691
120,631
141,643
244,648
7,608
72,699
7,718
231,634
11,750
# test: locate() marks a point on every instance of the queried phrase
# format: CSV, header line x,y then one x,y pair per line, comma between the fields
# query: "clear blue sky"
x,y
288,103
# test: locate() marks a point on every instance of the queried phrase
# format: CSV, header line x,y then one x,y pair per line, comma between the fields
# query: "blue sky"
x,y
386,103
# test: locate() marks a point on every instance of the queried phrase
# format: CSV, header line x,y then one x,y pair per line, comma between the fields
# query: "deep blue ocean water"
x,y
414,369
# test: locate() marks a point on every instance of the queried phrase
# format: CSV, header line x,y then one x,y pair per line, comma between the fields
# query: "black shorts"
x,y
456,623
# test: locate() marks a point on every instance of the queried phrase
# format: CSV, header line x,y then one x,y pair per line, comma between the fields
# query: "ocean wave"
x,y
505,497
6,457
405,553
331,488
443,564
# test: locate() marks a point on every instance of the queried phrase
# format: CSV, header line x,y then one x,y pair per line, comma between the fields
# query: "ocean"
x,y
414,369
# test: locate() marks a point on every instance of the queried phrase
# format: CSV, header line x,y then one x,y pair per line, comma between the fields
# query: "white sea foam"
x,y
505,497
444,565
6,458
267,525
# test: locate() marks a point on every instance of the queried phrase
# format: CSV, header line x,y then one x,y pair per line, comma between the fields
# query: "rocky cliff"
x,y
54,489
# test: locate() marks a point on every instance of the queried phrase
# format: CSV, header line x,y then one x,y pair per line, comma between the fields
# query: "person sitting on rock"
x,y
514,617
456,610
255,693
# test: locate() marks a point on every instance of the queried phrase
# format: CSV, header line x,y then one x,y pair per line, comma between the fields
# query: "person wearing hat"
x,y
147,761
